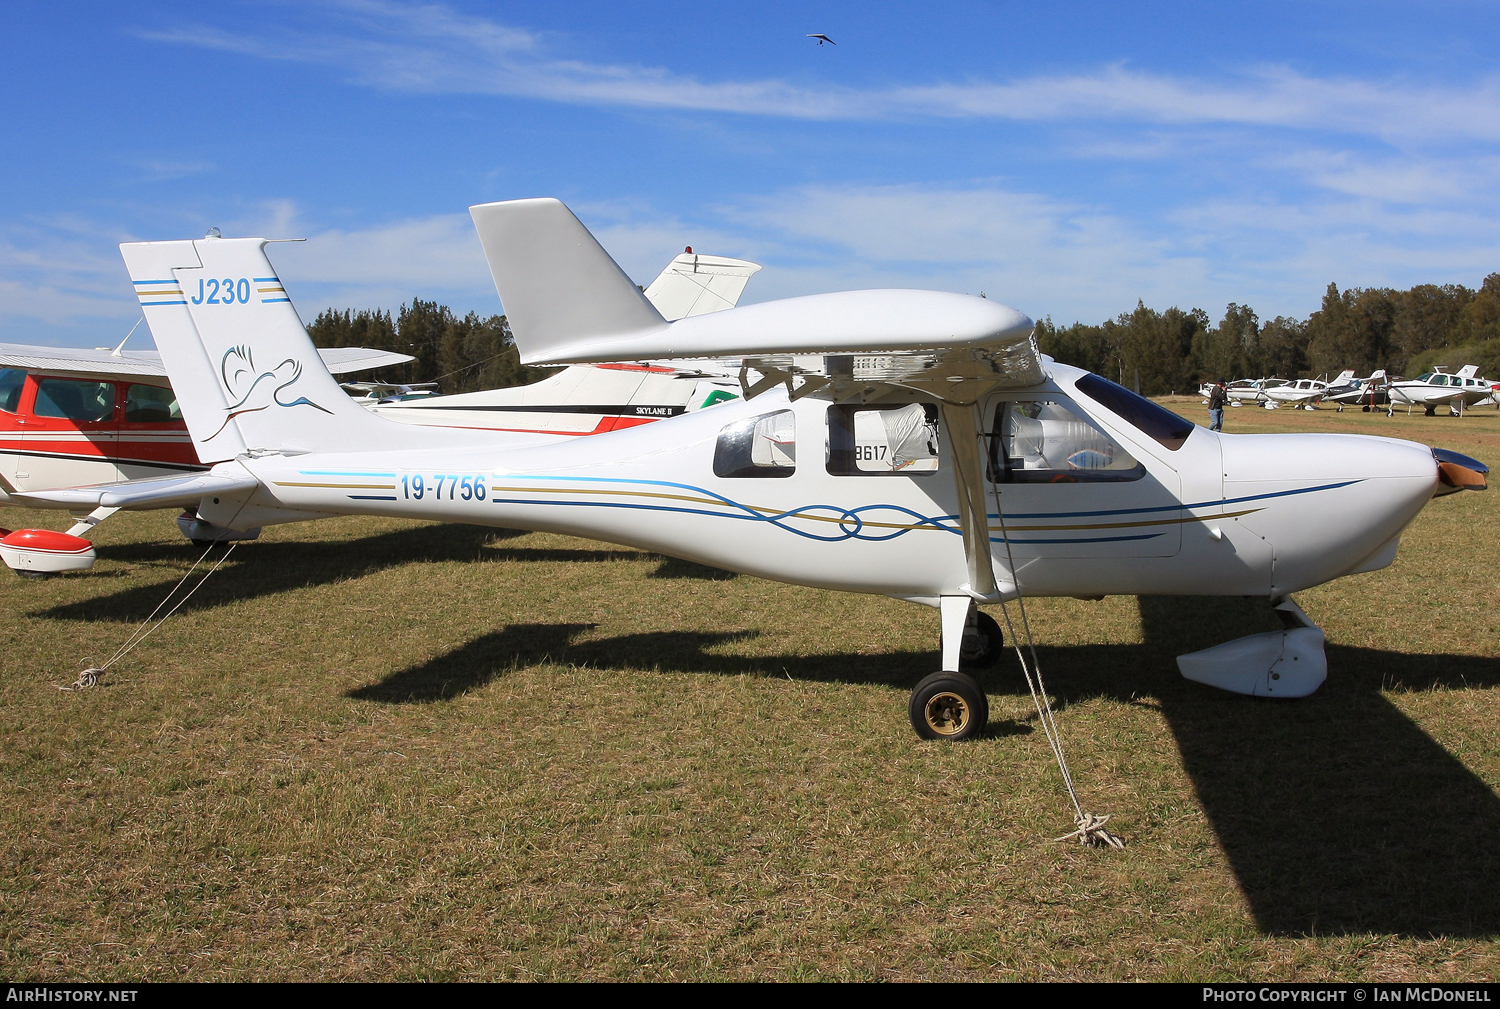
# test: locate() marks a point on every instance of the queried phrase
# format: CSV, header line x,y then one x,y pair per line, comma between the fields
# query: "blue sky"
x,y
1066,159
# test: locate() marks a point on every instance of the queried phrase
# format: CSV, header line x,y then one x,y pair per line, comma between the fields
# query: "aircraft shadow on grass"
x,y
1338,814
263,569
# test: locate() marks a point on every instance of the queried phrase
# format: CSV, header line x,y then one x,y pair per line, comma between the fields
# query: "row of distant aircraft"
x,y
1429,390
909,443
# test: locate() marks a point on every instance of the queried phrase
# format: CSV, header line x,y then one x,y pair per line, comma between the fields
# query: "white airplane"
x,y
908,443
373,393
1304,392
1435,388
1370,390
1242,391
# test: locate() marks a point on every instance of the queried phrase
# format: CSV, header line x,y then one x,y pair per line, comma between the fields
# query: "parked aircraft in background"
x,y
909,443
71,416
1435,388
1304,392
1368,392
1245,390
594,399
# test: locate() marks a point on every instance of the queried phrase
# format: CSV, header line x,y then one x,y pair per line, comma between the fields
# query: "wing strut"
x,y
962,422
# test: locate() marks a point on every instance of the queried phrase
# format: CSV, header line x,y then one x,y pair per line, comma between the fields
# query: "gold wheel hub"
x,y
947,713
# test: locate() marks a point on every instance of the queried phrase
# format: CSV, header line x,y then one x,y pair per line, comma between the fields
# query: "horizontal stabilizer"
x,y
348,360
152,492
74,360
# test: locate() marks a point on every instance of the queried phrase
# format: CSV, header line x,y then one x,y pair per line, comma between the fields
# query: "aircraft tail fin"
x,y
1344,376
246,374
556,283
1377,375
694,284
1468,371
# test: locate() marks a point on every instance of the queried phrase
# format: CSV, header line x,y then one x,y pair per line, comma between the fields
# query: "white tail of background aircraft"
x,y
694,284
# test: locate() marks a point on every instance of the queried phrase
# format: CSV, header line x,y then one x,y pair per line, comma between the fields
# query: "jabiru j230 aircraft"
x,y
909,443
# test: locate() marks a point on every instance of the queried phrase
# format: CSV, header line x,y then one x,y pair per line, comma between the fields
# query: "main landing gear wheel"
x,y
948,705
982,643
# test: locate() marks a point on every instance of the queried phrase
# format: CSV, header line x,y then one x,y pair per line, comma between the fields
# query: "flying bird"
x,y
823,38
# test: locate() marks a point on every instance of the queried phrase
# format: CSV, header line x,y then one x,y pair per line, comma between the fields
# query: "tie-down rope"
x,y
90,676
1089,830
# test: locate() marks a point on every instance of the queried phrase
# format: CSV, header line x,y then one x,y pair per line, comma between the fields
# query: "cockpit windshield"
x,y
1157,421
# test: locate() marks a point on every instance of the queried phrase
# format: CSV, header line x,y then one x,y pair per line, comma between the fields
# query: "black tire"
x,y
28,573
985,647
949,706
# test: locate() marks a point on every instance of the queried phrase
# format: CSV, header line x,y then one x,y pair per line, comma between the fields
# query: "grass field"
x,y
376,749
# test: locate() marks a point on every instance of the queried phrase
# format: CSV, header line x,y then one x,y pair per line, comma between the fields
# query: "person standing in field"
x,y
1216,399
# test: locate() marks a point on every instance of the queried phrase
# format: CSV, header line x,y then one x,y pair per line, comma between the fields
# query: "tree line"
x,y
459,354
1156,352
1404,332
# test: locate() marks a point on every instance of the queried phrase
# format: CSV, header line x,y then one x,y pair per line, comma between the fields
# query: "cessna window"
x,y
69,399
148,404
1157,421
759,447
1045,441
874,441
12,380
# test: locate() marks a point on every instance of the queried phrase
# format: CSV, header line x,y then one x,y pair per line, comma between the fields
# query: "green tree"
x,y
461,355
1352,330
1282,348
1231,349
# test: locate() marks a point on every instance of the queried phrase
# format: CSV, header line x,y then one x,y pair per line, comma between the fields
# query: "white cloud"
x,y
432,48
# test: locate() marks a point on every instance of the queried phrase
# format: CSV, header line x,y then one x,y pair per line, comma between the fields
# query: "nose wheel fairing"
x,y
1285,663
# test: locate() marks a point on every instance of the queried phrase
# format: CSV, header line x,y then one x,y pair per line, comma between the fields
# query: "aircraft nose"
x,y
1458,472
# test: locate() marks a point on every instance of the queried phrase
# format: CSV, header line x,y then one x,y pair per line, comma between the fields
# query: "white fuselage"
x,y
1440,389
1221,514
1304,390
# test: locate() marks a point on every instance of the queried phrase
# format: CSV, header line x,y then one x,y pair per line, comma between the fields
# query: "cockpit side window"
x,y
150,404
1047,441
77,400
763,446
12,381
1170,430
883,441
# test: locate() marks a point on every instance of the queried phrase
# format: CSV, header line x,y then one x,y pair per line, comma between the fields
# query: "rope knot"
x,y
88,678
1091,833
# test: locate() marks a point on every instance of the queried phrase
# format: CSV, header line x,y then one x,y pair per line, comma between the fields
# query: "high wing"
x,y
541,256
874,345
75,360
